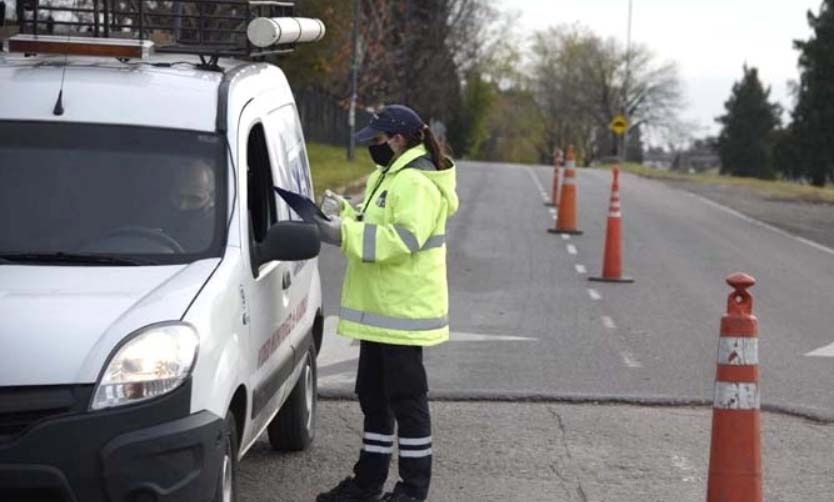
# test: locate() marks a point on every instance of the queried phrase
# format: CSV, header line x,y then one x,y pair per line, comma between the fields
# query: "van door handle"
x,y
286,280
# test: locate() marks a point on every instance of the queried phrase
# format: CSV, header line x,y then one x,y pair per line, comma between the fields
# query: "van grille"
x,y
33,495
22,407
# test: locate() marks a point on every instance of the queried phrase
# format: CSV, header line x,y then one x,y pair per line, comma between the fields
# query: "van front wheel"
x,y
227,482
294,427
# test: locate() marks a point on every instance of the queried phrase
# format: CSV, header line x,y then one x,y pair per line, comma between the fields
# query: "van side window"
x,y
296,176
262,210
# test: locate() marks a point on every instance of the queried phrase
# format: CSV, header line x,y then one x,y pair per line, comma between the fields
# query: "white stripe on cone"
x,y
738,351
736,396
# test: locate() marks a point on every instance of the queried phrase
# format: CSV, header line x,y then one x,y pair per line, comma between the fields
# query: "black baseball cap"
x,y
393,119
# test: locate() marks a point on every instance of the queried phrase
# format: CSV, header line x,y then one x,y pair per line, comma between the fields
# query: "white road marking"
x,y
630,360
474,337
335,348
337,380
580,269
552,210
338,349
594,294
565,237
754,221
572,249
688,470
827,351
538,183
608,322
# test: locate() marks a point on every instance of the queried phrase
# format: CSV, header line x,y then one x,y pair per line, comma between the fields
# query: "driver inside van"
x,y
192,200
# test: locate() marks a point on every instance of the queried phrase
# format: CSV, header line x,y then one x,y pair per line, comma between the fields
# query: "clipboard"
x,y
306,208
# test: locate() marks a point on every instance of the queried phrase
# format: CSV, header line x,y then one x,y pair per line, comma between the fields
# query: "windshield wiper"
x,y
73,258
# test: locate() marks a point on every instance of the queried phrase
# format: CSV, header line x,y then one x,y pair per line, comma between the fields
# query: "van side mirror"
x,y
290,241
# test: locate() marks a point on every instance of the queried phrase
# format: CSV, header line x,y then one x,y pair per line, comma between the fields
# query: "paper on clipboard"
x,y
306,208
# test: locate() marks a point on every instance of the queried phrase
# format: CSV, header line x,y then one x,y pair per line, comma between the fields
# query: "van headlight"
x,y
155,361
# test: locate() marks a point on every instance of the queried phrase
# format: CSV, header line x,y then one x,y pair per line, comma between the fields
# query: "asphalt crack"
x,y
563,438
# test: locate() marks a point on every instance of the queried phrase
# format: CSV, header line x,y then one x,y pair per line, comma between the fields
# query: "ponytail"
x,y
436,150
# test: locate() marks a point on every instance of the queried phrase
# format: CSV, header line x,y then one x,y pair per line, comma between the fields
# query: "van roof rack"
x,y
208,28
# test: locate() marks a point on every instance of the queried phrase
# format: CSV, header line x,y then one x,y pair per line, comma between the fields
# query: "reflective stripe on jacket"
x,y
395,288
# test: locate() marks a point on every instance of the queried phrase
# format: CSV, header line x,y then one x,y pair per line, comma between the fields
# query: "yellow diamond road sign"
x,y
619,125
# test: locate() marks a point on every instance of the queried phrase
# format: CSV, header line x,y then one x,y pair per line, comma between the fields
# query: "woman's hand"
x,y
331,231
332,204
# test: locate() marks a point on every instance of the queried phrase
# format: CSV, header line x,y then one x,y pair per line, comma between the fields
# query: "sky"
x,y
709,39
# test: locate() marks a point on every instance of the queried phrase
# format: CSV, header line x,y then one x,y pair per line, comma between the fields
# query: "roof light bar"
x,y
81,46
267,31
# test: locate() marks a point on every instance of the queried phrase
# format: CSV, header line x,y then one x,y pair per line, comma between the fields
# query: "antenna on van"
x,y
59,105
58,110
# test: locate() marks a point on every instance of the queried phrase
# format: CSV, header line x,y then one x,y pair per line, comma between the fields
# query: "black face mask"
x,y
381,154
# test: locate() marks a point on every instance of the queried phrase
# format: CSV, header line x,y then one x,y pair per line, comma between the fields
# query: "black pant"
x,y
391,384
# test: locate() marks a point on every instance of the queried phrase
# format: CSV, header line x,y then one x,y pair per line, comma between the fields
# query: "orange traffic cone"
x,y
566,222
735,463
612,263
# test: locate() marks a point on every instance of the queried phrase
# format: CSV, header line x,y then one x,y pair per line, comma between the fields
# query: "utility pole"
x,y
353,84
624,136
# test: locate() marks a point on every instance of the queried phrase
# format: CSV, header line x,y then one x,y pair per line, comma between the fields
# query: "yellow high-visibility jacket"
x,y
395,288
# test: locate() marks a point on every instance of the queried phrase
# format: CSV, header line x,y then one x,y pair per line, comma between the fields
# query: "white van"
x,y
160,308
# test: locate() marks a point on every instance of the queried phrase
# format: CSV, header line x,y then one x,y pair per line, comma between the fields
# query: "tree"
x,y
634,145
745,141
813,117
560,87
514,124
470,129
582,82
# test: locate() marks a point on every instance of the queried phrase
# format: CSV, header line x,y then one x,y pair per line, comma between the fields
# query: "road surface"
x,y
527,325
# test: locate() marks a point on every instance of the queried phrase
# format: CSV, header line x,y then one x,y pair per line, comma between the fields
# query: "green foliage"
x,y
324,65
471,128
812,129
331,169
514,126
745,142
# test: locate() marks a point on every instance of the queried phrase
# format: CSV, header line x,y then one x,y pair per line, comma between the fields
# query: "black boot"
x,y
349,491
399,495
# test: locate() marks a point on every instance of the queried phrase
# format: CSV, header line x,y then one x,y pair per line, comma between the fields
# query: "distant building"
x,y
701,156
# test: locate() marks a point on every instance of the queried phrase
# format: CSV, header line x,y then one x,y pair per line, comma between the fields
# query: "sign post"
x,y
619,125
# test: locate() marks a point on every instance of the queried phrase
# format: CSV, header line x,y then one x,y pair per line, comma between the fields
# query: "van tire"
x,y
294,427
227,480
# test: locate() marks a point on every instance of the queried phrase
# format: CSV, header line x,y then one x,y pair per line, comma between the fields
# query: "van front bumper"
x,y
149,452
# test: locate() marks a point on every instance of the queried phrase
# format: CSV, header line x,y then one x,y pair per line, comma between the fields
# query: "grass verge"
x,y
331,169
780,190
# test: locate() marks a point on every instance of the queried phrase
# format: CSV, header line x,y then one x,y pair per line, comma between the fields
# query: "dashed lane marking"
x,y
565,237
608,322
572,249
630,360
580,269
594,294
538,183
552,211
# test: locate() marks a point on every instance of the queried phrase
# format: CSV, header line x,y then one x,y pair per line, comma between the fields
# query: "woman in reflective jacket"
x,y
395,297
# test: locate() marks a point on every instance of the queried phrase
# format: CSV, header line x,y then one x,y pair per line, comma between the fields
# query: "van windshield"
x,y
113,194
